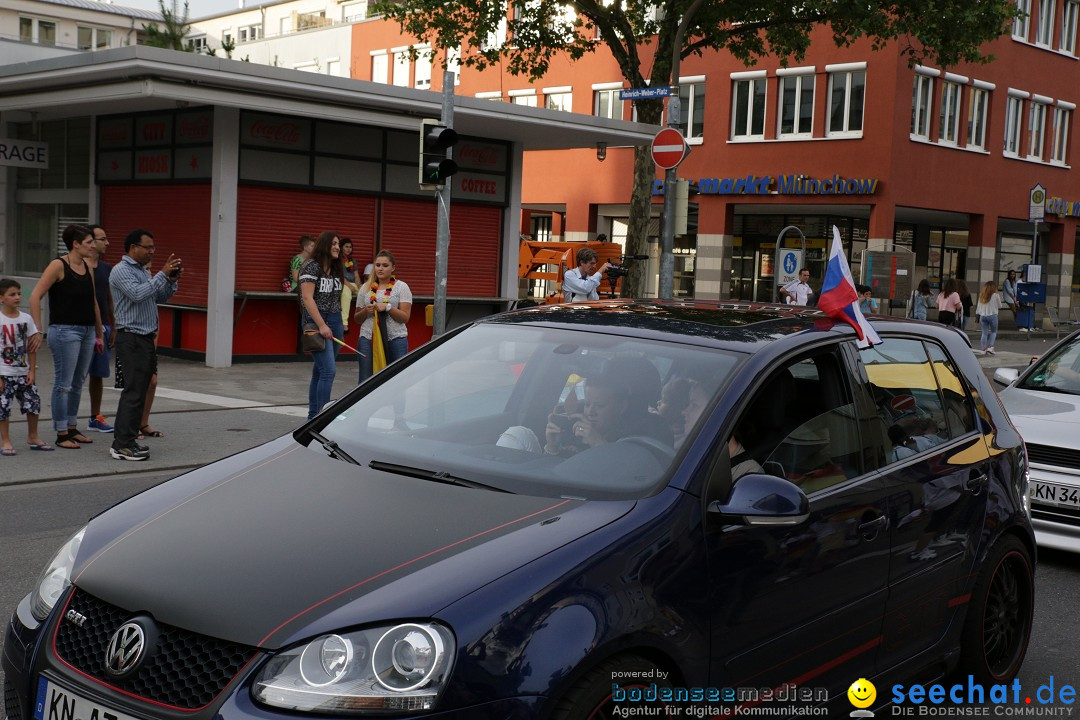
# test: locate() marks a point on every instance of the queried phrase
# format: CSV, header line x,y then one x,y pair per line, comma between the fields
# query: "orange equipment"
x,y
540,260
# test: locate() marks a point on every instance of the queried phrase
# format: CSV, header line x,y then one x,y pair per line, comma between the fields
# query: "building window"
x,y
198,43
528,100
1068,27
846,92
422,72
1045,32
1014,113
1020,23
309,20
226,38
453,63
1062,118
401,68
493,95
920,106
949,131
1037,130
42,32
796,106
251,32
692,97
496,39
976,130
606,103
748,108
352,12
380,68
91,38
558,99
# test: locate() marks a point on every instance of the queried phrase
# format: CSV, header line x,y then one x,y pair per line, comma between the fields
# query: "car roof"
x,y
734,325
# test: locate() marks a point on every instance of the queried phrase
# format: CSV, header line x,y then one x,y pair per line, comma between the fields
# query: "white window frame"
x,y
1044,32
922,102
95,37
453,63
559,98
380,66
354,11
952,94
35,29
250,33
1022,24
526,98
333,66
226,38
1037,126
847,72
401,75
1062,119
978,111
801,78
497,38
422,69
695,84
616,107
495,95
756,86
1014,116
198,42
1069,16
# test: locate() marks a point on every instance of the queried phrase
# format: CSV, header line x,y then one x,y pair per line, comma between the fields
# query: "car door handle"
x,y
976,482
871,528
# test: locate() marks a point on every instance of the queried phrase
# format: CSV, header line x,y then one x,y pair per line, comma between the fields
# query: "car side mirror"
x,y
1006,376
763,500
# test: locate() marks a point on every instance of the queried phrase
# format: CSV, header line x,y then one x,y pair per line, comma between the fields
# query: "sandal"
x,y
147,431
7,452
76,435
67,442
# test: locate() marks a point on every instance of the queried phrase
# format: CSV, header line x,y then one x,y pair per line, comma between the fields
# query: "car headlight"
x,y
399,668
56,578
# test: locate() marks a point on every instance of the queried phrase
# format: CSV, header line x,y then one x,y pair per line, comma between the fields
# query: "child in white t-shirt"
x,y
17,368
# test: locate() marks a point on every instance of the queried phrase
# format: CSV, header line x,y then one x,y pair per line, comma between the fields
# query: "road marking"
x,y
230,402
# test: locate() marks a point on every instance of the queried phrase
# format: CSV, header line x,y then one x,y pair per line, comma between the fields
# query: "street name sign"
x,y
644,93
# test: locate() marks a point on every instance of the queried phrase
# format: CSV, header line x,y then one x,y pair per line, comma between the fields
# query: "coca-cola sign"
x,y
277,132
480,156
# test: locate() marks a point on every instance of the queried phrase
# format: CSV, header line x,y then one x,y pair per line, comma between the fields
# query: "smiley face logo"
x,y
862,693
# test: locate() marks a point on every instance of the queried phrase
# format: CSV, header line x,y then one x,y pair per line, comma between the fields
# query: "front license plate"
x,y
1051,494
57,703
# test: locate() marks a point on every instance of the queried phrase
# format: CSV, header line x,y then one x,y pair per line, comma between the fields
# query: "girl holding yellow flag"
x,y
383,306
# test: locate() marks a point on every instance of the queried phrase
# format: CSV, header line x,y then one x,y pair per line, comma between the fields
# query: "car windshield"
x,y
542,411
1057,371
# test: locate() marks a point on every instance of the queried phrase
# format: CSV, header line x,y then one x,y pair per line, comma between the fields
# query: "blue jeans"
x,y
72,348
325,367
395,350
989,327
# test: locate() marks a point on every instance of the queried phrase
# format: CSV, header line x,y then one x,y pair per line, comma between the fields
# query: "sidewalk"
x,y
205,414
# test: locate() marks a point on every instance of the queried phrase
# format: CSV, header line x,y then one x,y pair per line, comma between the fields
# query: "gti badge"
x,y
125,649
76,618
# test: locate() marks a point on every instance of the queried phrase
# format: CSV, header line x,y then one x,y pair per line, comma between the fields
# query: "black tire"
x,y
590,697
998,624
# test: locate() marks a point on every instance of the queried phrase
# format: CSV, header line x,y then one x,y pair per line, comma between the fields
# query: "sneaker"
x,y
990,350
129,453
144,449
1023,329
98,423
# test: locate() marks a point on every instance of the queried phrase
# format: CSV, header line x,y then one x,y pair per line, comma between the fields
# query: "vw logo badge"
x,y
126,648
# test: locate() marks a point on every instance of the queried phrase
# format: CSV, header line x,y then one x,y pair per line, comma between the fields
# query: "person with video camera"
x,y
580,284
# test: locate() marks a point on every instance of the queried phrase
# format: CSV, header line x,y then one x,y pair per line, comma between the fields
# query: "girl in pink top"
x,y
948,303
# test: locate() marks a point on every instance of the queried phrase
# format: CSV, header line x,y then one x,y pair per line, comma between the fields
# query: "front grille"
x,y
187,670
11,702
1050,455
1053,513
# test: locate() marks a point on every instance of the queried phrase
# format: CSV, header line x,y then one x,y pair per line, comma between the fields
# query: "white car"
x,y
1043,402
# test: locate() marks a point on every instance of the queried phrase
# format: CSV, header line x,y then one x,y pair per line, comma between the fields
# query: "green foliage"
x,y
173,31
228,45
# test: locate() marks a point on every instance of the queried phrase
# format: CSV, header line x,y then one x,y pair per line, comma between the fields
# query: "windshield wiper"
x,y
432,475
333,448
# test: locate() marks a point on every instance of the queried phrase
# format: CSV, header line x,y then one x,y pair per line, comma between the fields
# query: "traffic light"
x,y
435,140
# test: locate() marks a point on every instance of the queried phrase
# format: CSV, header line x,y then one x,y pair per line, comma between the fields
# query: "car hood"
x,y
282,543
1046,418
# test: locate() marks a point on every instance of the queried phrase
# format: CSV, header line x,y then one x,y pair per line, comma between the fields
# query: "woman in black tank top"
x,y
75,329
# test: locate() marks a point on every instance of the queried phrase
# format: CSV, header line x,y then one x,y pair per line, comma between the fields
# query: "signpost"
x,y
668,148
644,93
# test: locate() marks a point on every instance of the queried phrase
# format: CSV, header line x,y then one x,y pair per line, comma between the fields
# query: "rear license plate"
x,y
1051,494
57,703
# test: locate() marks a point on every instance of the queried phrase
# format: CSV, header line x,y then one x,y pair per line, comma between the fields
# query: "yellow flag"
x,y
378,352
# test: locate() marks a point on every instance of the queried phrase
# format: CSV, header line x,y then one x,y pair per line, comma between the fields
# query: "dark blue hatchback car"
x,y
565,512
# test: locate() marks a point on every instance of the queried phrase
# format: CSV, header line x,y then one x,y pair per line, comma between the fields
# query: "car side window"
x,y
958,411
801,424
912,416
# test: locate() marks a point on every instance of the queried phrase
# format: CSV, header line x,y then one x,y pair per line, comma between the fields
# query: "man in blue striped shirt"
x,y
136,294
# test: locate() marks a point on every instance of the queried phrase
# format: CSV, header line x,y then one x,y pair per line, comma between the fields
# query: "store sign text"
x,y
1063,208
782,185
24,153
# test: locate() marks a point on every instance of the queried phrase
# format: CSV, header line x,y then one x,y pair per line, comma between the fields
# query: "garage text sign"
x,y
24,153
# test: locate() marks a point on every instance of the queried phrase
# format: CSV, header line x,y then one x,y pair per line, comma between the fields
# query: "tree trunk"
x,y
637,234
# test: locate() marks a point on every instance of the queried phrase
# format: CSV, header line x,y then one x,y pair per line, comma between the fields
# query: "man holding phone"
x,y
136,294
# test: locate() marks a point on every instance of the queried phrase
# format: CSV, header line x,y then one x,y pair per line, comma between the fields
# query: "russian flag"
x,y
838,298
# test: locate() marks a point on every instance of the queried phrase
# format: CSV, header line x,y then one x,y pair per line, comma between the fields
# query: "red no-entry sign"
x,y
668,148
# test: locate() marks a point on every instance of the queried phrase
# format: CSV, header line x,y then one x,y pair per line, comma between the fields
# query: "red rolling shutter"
x,y
408,231
270,221
179,217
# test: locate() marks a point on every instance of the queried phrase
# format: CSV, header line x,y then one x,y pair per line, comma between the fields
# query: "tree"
x,y
173,34
641,35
